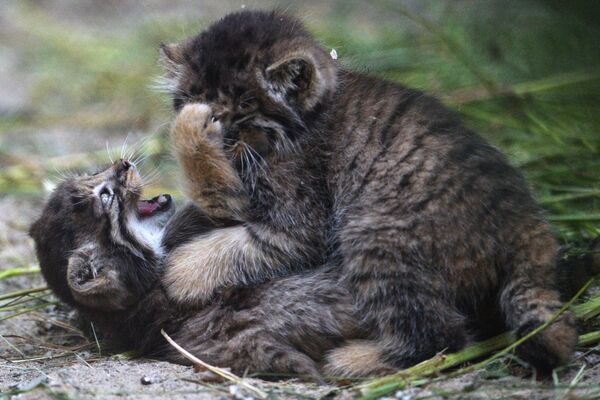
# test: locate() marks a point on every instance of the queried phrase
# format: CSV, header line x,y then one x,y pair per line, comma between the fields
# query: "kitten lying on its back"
x,y
101,249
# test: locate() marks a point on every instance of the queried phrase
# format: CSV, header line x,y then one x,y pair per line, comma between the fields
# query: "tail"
x,y
529,299
574,270
356,358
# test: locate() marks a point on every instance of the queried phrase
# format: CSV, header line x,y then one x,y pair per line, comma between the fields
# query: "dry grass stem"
x,y
218,371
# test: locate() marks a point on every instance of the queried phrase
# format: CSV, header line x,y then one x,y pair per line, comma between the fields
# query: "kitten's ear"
x,y
95,283
171,57
171,60
300,79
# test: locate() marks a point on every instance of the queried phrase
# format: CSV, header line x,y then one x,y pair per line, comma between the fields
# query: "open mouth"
x,y
147,208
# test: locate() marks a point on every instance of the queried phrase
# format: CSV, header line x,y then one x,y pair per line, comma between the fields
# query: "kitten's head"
x,y
262,73
92,238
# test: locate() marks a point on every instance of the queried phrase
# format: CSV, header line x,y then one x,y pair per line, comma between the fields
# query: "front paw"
x,y
195,127
187,280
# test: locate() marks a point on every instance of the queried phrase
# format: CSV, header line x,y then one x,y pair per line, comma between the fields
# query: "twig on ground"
x,y
96,338
441,362
221,372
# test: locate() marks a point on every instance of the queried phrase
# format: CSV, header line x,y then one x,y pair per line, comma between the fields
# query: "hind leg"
x,y
267,354
250,351
528,300
405,306
527,304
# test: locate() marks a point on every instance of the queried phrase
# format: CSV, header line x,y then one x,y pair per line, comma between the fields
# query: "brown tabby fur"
x,y
430,228
94,255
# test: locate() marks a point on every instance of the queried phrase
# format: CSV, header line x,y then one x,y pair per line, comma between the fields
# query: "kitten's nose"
x,y
122,166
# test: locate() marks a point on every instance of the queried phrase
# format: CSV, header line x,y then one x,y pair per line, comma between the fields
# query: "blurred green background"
x,y
76,78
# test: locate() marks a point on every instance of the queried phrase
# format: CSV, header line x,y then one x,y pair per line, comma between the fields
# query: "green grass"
x,y
533,89
526,77
498,347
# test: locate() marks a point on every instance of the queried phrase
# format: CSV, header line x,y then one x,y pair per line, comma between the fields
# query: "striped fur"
x,y
95,255
429,226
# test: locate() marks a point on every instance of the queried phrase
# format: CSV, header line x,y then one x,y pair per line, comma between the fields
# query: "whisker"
x,y
108,152
244,159
123,145
80,201
63,175
151,177
152,174
139,146
259,160
140,159
249,176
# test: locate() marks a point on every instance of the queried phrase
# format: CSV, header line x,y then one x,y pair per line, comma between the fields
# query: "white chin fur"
x,y
148,231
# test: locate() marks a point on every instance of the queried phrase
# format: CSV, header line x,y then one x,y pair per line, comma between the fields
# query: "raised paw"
x,y
210,179
195,126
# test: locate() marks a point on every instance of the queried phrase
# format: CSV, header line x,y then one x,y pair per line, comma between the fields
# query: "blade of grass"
x,y
25,311
566,197
455,49
553,82
96,338
12,346
23,292
589,309
382,386
13,272
573,217
589,338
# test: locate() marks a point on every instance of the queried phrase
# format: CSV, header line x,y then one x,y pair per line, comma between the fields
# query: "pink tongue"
x,y
146,208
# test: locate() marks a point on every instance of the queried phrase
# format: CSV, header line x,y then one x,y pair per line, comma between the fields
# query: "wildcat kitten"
x,y
428,225
101,249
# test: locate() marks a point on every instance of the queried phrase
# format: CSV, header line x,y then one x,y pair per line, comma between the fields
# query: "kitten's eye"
x,y
218,116
248,104
106,196
79,202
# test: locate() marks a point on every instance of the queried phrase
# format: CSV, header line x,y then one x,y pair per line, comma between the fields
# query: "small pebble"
x,y
234,390
146,380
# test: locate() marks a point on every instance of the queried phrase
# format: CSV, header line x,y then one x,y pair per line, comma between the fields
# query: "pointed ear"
x,y
34,230
171,56
299,79
171,60
95,282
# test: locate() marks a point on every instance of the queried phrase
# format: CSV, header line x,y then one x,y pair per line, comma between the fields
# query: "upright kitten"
x,y
429,225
